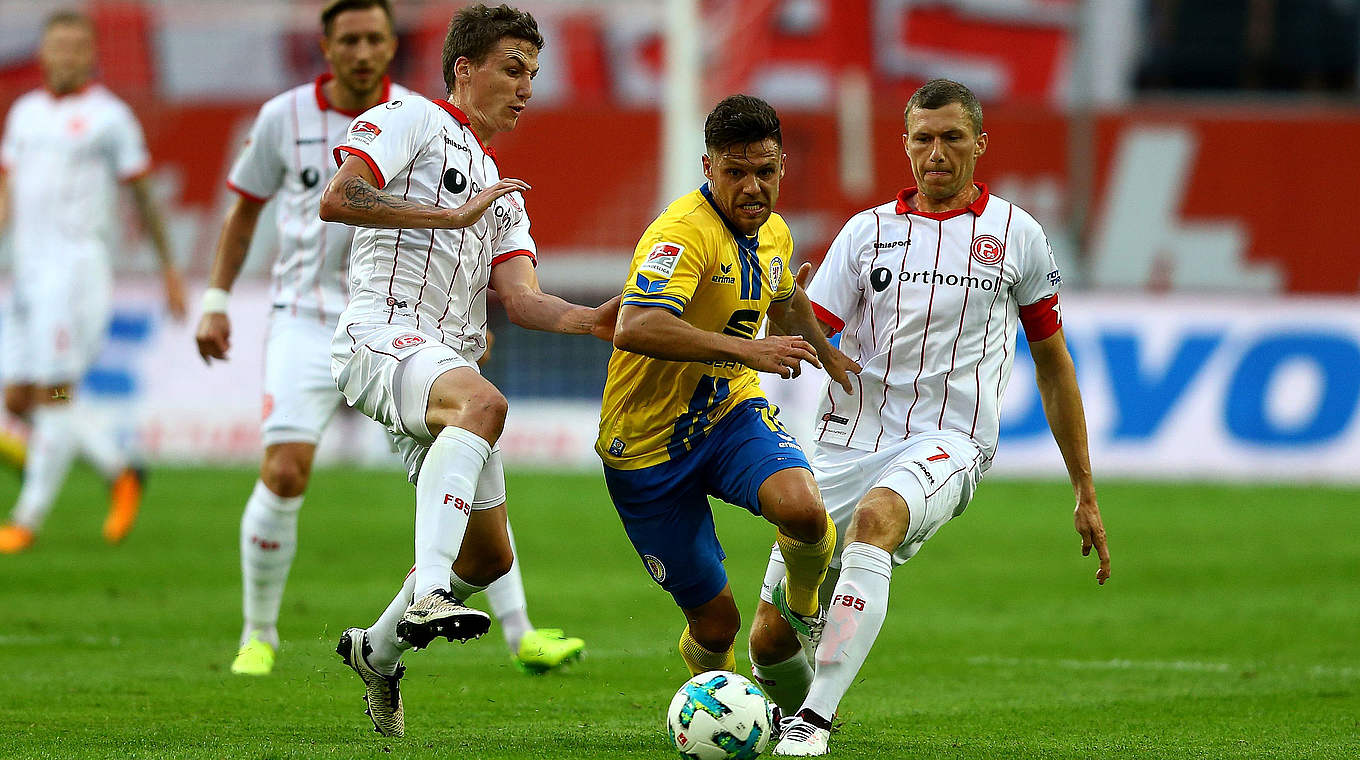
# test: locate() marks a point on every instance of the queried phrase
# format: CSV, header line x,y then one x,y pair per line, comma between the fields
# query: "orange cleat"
x,y
14,539
125,499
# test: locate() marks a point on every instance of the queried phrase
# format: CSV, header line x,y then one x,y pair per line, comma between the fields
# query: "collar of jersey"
x,y
81,90
325,105
976,207
746,243
462,118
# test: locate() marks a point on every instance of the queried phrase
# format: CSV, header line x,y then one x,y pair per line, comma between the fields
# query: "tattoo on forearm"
x,y
361,195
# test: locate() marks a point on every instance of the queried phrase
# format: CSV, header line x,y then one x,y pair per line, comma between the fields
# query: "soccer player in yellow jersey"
x,y
683,414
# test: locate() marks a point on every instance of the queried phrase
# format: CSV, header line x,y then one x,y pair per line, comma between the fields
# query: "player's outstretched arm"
x,y
160,242
352,198
656,332
516,283
214,326
1057,380
795,317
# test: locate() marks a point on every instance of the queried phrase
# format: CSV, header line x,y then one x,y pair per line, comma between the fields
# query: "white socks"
x,y
785,682
268,543
853,620
444,492
51,447
506,595
382,635
99,442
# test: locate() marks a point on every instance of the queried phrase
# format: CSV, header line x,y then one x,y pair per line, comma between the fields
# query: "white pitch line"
x,y
1187,666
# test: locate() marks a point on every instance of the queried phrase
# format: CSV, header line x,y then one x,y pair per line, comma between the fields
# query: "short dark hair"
x,y
741,120
336,7
938,93
67,17
474,30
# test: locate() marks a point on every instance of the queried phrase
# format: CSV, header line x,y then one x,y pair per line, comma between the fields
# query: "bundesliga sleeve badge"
x,y
662,258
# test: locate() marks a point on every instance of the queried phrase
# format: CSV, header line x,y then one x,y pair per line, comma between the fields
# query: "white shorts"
x,y
54,326
386,371
934,473
300,396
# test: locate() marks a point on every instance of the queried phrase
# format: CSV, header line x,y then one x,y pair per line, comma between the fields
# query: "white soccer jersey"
x,y
64,156
288,157
930,305
434,281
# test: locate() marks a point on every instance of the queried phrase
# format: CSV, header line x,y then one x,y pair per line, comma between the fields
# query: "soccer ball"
x,y
719,716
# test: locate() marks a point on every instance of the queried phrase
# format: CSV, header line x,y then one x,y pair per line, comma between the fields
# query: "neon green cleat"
x,y
255,658
808,628
544,649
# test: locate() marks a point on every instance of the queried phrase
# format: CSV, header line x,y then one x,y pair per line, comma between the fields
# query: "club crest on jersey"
x,y
776,272
987,249
654,568
662,258
406,341
364,131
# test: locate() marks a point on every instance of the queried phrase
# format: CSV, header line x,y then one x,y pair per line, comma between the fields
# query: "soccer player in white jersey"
x,y
288,157
928,292
64,151
439,227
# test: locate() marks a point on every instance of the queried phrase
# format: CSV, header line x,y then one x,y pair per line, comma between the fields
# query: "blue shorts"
x,y
665,509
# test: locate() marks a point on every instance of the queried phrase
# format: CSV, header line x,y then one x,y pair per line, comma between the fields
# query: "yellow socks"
x,y
701,660
805,566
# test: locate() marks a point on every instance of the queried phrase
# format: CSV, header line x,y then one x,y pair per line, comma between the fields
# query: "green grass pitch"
x,y
1231,629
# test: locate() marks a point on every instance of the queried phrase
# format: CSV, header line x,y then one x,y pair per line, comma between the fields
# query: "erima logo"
x,y
726,277
881,277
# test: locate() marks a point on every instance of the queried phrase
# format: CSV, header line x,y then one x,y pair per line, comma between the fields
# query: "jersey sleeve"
x,y
835,290
516,241
667,266
386,137
259,170
1037,289
9,141
130,157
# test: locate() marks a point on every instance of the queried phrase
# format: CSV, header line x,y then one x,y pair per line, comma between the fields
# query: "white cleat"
x,y
799,738
382,692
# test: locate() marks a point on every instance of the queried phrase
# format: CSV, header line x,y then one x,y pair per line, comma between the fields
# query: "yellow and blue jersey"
x,y
692,263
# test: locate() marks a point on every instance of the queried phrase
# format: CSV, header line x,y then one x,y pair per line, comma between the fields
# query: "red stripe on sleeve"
x,y
247,195
512,254
827,318
1041,318
372,165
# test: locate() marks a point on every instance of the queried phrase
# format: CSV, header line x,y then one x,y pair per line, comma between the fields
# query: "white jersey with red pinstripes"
x,y
434,281
930,304
64,156
288,158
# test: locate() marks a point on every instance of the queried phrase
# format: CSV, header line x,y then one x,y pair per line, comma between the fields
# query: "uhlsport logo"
x,y
987,249
655,568
406,341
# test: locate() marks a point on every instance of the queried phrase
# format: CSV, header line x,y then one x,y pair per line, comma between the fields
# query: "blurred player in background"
x,y
933,286
64,150
439,227
288,156
683,414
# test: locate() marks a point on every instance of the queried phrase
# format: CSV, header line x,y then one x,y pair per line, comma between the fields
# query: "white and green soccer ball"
x,y
719,716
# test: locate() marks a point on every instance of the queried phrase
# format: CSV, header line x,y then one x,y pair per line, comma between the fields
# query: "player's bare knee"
x,y
19,399
793,504
880,522
285,474
481,412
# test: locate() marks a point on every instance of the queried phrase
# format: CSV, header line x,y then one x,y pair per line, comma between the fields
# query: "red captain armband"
x,y
827,318
1041,318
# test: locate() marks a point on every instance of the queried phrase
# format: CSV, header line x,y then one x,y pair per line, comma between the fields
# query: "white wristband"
x,y
215,301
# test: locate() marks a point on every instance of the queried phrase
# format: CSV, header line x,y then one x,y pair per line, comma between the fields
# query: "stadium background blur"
x,y
1193,165
1185,158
